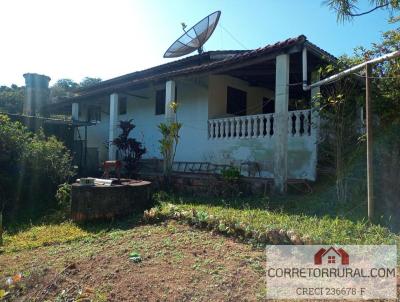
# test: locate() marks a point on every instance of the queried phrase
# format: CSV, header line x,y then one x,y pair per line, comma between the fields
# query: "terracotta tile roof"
x,y
205,62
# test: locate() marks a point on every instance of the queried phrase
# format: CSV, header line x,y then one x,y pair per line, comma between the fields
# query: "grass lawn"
x,y
63,261
314,216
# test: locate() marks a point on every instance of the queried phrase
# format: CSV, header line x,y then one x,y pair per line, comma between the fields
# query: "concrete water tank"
x,y
37,94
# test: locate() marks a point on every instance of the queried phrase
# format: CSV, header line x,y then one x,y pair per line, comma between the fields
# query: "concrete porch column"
x,y
315,121
169,98
112,150
281,117
75,111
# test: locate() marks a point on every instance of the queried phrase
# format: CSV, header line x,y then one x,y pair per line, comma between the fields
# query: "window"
x,y
236,102
122,104
160,102
94,114
268,105
331,259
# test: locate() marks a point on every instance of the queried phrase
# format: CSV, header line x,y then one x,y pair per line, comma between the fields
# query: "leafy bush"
x,y
63,195
49,157
231,174
32,167
130,150
231,186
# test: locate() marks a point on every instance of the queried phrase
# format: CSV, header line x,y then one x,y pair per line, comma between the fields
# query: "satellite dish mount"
x,y
194,38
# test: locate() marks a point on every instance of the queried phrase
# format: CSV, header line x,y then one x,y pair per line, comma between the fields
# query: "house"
x,y
237,107
331,256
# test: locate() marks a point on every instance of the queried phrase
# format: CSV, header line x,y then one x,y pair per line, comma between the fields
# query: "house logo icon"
x,y
331,256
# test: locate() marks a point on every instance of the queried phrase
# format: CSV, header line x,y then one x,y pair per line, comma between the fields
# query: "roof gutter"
x,y
343,73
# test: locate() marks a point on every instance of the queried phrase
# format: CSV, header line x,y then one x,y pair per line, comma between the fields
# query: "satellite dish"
x,y
194,38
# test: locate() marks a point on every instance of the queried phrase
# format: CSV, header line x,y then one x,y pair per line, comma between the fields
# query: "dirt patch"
x,y
177,263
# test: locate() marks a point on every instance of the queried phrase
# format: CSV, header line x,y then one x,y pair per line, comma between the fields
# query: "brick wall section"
x,y
209,184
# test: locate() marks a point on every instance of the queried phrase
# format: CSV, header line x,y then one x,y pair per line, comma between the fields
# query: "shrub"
x,y
231,178
32,166
231,174
130,150
63,195
49,157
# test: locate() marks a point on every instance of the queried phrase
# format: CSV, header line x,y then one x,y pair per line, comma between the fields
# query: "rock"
x,y
290,233
283,234
307,239
176,215
295,239
263,238
274,236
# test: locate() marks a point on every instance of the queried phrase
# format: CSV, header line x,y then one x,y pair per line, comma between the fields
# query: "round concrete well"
x,y
105,202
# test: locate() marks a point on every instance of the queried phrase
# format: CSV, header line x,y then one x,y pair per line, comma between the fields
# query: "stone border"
x,y
243,231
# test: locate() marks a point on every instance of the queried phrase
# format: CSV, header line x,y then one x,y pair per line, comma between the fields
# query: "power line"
x,y
233,37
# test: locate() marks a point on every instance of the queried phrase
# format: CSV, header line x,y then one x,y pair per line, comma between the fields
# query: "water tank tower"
x,y
37,94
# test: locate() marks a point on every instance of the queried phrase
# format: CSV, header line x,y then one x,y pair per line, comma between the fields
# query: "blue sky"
x,y
105,38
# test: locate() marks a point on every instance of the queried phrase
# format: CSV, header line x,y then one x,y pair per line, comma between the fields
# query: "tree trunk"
x,y
1,228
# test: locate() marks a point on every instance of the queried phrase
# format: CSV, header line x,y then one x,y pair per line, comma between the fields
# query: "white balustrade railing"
x,y
247,126
300,123
260,125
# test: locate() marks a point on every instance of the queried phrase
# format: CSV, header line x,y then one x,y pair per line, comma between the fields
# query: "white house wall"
x,y
142,111
218,94
97,135
193,114
200,100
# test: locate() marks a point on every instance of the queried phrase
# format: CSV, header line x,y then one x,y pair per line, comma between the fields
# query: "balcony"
x,y
258,126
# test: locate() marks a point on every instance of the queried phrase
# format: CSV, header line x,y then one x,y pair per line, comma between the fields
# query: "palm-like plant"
x,y
169,140
130,150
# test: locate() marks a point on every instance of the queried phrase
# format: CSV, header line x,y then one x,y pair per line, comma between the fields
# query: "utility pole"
x,y
370,174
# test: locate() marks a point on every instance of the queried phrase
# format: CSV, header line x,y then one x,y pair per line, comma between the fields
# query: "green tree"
x,y
386,80
338,103
385,90
346,10
88,81
12,98
386,127
63,88
32,166
66,84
